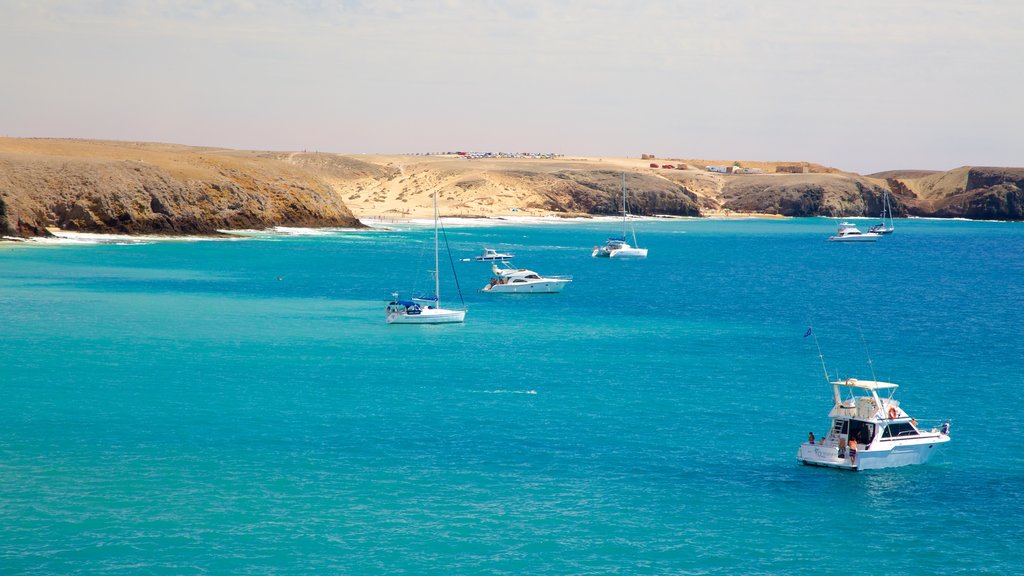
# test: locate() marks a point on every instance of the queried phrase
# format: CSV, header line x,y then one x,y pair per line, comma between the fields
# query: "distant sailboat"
x,y
426,310
881,228
617,247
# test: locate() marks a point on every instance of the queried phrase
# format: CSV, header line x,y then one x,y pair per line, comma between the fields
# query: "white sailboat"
x,y
617,247
426,310
882,228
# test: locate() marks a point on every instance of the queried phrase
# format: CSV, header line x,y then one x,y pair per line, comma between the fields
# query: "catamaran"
x,y
426,310
881,228
617,247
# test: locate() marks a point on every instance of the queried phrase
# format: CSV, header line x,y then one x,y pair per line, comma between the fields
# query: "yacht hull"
x,y
871,237
882,454
542,287
622,253
428,316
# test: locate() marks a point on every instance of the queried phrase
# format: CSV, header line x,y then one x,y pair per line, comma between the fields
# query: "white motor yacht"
x,y
522,281
848,232
869,431
492,255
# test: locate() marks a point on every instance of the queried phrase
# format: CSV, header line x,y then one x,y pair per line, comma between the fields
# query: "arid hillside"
x,y
981,193
135,188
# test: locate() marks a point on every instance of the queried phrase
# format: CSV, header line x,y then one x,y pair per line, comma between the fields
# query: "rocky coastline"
x,y
140,188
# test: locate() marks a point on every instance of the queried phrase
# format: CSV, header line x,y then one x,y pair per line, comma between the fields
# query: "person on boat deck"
x,y
810,437
852,449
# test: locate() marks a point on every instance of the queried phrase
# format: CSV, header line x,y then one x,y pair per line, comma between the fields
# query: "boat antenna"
x,y
810,332
835,389
871,365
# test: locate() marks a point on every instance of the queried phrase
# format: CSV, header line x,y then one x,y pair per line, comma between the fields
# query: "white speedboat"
x,y
869,431
492,255
848,232
426,310
523,281
617,247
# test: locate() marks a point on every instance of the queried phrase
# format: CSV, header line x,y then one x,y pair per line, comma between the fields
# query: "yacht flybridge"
x,y
869,430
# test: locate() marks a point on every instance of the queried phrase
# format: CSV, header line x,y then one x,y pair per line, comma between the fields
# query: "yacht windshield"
x,y
899,429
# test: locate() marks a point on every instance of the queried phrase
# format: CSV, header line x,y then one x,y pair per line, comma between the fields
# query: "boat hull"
x,y
857,238
622,253
883,454
428,316
542,287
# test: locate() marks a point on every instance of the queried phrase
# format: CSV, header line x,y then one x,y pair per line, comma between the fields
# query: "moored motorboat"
x,y
492,255
848,232
523,281
870,431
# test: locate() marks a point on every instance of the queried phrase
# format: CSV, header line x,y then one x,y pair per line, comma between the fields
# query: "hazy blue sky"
x,y
865,85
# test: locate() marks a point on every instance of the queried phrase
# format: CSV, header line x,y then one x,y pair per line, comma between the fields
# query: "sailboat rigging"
x,y
881,228
617,247
427,310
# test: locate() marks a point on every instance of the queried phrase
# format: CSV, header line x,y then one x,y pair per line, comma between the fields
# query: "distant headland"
x,y
148,188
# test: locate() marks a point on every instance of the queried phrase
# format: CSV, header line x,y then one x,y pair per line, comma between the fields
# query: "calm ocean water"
x,y
176,408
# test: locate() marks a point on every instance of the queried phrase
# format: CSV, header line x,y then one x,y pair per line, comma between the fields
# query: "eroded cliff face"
x,y
187,191
980,193
600,192
807,195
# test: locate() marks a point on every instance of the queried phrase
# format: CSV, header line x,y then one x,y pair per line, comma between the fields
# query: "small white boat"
x,y
492,255
848,232
869,431
617,247
523,281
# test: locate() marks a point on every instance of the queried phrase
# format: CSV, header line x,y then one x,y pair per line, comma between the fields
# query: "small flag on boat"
x,y
808,333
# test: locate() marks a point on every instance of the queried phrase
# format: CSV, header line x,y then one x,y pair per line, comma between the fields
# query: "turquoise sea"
x,y
241,407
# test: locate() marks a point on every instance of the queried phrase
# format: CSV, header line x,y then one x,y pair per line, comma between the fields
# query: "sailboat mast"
x,y
437,264
623,205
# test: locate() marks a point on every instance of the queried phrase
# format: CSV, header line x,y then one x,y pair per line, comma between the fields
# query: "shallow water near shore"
x,y
242,407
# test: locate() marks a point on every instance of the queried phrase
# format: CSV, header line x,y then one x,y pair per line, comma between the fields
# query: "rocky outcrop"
x,y
806,195
600,192
980,193
188,191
